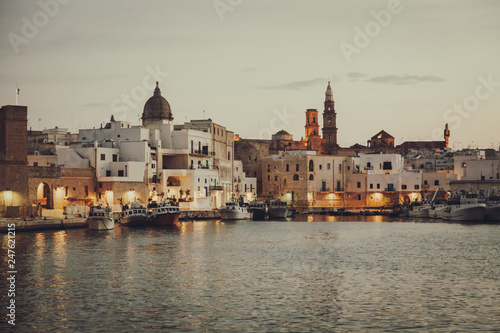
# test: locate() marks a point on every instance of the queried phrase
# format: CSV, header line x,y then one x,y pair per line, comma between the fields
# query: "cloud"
x,y
356,75
404,79
298,85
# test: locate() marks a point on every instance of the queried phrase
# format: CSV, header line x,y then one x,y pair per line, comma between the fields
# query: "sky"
x,y
406,67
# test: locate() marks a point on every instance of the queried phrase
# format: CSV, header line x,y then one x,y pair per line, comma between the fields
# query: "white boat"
x,y
100,218
258,209
134,215
233,211
277,209
436,211
420,210
492,209
469,209
165,213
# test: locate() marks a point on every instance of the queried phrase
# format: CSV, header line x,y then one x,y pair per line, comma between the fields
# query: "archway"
x,y
44,196
173,181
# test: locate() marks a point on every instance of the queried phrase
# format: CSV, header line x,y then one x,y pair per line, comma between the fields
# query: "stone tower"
x,y
329,123
446,136
312,126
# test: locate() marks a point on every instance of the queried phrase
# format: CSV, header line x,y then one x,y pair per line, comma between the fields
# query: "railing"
x,y
215,188
368,168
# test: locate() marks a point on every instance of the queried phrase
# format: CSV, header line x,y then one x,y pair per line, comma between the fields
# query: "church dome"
x,y
156,108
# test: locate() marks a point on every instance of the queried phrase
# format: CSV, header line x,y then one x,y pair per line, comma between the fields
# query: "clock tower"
x,y
329,123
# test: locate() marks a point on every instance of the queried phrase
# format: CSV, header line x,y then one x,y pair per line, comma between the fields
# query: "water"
x,y
260,276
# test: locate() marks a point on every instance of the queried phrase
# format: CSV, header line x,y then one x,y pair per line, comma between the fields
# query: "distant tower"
x,y
312,126
446,136
329,123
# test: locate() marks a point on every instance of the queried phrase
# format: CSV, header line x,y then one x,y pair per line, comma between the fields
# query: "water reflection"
x,y
263,276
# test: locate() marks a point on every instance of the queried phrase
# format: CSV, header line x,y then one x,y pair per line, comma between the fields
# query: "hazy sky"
x,y
255,66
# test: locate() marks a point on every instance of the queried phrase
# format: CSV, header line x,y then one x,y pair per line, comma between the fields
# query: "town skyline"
x,y
397,66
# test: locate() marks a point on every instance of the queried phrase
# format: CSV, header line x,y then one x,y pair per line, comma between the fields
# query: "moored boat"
x,y
233,211
134,215
420,209
469,209
164,213
258,210
277,209
100,218
492,209
436,210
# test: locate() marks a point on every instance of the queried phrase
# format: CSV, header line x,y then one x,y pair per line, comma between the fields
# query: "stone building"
x,y
14,198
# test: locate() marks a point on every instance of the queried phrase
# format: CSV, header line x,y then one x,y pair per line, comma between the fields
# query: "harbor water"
x,y
314,273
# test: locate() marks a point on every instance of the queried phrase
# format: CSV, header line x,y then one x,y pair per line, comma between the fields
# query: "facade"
x,y
14,199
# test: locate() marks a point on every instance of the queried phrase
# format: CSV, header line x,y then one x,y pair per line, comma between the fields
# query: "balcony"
x,y
368,168
215,188
198,166
324,190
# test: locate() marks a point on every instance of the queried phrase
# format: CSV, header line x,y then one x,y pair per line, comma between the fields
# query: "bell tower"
x,y
329,123
446,136
312,126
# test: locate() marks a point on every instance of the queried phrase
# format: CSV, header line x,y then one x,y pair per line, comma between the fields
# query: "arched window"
x,y
311,177
295,177
311,165
329,121
314,120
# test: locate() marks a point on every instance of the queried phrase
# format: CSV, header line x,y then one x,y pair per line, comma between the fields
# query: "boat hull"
x,y
229,214
492,213
165,219
258,214
465,214
135,221
278,213
423,212
100,224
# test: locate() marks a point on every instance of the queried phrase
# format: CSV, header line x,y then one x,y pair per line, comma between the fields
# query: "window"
x,y
269,168
35,163
328,166
425,182
311,177
311,165
108,173
255,158
153,166
390,187
86,191
403,187
249,158
371,185
436,182
358,185
66,191
482,177
417,187
320,167
359,196
120,173
340,167
287,167
387,166
268,177
103,157
296,167
255,173
296,177
115,157
228,155
378,185
275,178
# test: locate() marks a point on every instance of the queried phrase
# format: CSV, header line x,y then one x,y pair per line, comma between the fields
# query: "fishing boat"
x,y
100,218
469,209
277,209
233,211
164,213
437,209
420,209
492,209
258,209
134,215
